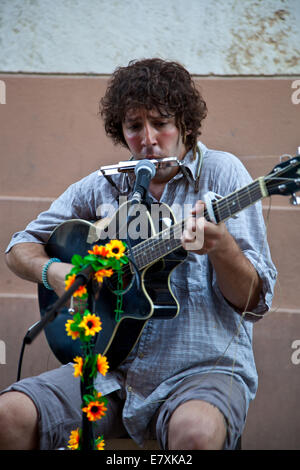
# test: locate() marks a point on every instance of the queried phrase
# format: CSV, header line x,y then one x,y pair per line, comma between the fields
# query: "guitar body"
x,y
154,299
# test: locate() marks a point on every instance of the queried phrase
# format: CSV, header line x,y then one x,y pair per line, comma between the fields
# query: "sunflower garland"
x,y
84,325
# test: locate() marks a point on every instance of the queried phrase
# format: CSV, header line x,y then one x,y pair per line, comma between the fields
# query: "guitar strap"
x,y
194,183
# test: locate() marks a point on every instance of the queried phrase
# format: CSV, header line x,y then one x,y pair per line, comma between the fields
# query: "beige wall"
x,y
51,136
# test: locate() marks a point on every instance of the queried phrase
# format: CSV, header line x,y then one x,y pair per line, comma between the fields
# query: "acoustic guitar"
x,y
154,256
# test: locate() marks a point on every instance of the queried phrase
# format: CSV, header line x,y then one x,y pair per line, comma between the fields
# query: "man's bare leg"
x,y
18,422
196,425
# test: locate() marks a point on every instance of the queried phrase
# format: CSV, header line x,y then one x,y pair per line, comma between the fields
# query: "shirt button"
x,y
129,388
141,355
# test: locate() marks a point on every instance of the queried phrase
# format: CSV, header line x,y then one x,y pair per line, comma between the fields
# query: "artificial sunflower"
x,y
116,249
73,334
91,324
74,439
80,292
69,281
78,365
98,250
100,443
102,273
102,364
95,409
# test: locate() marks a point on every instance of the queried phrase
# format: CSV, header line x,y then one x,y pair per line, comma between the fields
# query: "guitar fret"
x,y
238,201
158,246
168,240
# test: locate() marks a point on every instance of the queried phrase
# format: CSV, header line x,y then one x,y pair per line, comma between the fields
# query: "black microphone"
x,y
144,171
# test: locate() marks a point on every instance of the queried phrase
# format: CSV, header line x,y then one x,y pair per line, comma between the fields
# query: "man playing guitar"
x,y
188,381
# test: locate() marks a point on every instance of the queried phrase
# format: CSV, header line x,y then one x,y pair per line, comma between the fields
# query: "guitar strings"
x,y
176,229
159,241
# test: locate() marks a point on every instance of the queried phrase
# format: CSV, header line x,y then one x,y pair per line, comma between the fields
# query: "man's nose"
x,y
149,135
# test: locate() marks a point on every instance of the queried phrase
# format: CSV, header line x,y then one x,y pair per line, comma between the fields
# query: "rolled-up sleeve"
x,y
74,203
249,230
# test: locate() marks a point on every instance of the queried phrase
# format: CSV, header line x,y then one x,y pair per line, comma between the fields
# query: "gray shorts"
x,y
220,390
56,395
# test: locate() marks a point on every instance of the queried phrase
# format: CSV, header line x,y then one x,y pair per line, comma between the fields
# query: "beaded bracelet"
x,y
45,270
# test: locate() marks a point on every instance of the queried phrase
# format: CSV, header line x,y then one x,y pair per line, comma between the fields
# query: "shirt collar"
x,y
191,164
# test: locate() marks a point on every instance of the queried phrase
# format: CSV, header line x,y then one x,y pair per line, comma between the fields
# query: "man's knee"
x,y
196,425
18,422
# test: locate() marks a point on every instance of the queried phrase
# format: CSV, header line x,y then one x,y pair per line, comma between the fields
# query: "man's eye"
x,y
133,127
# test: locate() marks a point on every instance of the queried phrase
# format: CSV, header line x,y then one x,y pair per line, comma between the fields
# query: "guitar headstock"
x,y
284,179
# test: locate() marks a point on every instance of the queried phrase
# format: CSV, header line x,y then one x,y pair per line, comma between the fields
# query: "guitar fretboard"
x,y
238,201
168,240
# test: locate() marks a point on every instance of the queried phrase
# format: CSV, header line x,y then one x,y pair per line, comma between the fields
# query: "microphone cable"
x,y
22,351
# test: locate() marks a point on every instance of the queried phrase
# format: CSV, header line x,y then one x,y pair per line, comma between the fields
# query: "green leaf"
x,y
92,365
87,399
84,338
77,260
75,270
103,262
86,312
77,318
114,264
96,266
89,258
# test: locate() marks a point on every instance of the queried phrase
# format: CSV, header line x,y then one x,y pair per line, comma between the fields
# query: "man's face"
x,y
148,134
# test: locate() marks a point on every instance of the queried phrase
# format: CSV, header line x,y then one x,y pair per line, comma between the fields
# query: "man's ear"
x,y
186,132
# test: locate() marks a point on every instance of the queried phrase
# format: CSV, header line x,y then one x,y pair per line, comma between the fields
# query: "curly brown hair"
x,y
153,84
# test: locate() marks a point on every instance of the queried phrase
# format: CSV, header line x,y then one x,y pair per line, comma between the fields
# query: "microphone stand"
x,y
86,384
83,278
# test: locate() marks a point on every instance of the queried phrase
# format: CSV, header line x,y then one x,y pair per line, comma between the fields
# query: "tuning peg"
x,y
295,200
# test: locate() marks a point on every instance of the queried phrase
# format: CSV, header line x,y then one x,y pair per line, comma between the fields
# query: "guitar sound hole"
x,y
127,279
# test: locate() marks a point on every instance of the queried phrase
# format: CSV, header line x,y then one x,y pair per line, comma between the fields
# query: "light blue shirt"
x,y
208,334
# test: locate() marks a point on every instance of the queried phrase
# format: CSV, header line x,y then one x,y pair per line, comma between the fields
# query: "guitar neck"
x,y
169,240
